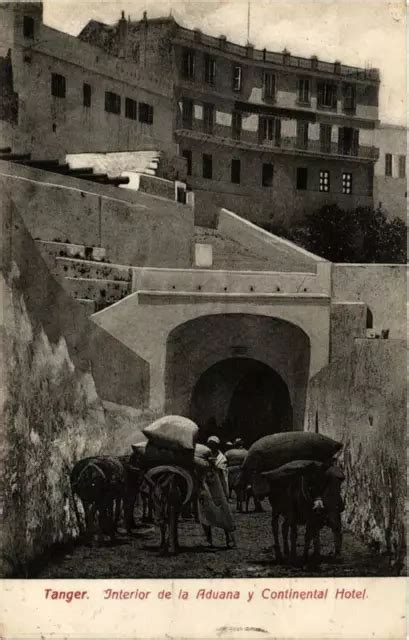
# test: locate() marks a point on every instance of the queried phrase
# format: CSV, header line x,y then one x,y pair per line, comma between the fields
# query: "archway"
x,y
197,345
241,397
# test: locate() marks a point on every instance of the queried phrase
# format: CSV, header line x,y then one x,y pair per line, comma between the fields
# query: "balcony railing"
x,y
314,147
262,55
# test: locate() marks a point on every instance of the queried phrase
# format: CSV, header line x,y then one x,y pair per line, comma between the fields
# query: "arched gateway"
x,y
246,373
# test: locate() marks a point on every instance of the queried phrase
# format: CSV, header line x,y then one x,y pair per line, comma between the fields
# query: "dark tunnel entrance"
x,y
241,397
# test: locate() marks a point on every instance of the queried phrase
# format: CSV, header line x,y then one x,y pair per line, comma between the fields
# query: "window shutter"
x,y
334,95
320,92
355,142
278,132
341,137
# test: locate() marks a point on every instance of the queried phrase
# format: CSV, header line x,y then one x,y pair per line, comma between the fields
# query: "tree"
x,y
355,235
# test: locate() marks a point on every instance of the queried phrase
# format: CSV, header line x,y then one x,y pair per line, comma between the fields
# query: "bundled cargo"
x,y
235,457
173,432
278,449
149,455
290,469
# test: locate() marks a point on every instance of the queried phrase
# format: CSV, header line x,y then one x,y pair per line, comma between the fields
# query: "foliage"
x,y
355,235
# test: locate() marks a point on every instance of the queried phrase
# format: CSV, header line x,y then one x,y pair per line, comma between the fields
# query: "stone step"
x,y
79,268
88,305
50,250
102,292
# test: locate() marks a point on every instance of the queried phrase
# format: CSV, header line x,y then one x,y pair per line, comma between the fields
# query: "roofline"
x,y
266,53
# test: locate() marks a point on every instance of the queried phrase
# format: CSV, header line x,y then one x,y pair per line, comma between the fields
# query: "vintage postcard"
x,y
203,347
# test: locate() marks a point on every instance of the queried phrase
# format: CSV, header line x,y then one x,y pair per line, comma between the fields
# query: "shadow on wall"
x,y
372,426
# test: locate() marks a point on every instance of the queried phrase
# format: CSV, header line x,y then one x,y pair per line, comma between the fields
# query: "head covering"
x,y
213,440
238,442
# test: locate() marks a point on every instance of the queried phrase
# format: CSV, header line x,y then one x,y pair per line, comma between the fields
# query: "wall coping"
x,y
226,271
236,297
371,264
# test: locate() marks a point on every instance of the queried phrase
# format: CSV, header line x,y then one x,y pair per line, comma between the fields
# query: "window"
x,y
130,109
267,175
207,166
235,171
57,85
302,178
349,96
208,117
269,85
347,183
402,166
302,134
28,27
112,102
304,90
327,95
187,113
210,70
388,164
270,131
188,64
86,95
236,125
136,53
188,155
348,141
145,113
325,137
236,78
324,181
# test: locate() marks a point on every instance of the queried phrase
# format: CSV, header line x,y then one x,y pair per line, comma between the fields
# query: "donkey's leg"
x,y
307,541
293,541
276,539
285,529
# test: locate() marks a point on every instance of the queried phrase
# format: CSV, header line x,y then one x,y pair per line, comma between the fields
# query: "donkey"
x,y
171,489
311,498
100,483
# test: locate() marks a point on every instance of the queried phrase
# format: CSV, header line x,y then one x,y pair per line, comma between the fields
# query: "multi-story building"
x,y
269,135
390,185
62,95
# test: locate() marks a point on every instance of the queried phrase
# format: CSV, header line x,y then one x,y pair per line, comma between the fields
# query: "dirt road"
x,y
137,556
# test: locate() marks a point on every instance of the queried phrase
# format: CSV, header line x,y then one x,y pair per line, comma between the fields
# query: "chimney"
x,y
122,35
197,35
222,42
250,50
286,56
314,62
337,67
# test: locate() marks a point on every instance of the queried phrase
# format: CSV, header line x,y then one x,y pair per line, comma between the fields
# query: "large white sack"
x,y
173,432
277,449
235,457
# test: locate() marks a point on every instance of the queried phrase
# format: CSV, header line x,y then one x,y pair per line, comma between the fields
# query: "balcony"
x,y
289,146
187,36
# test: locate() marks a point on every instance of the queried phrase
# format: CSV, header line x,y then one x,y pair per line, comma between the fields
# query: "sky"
x,y
357,32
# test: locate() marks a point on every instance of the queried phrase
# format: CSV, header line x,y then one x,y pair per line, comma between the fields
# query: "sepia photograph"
x,y
204,247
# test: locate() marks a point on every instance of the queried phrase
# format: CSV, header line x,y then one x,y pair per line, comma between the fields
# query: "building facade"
x,y
390,185
62,95
269,135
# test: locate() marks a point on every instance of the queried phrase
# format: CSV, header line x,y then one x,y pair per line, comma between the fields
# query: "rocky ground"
x,y
137,556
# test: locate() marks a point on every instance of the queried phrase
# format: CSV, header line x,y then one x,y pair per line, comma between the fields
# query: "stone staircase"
x,y
229,254
86,274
